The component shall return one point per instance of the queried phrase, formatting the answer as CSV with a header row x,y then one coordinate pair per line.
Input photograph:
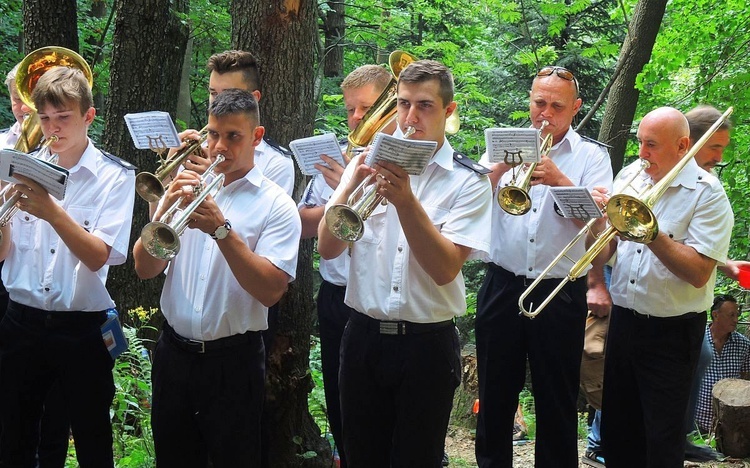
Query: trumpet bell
x,y
149,187
160,240
632,219
345,223
513,200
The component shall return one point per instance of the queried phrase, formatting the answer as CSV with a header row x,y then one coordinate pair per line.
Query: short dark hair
x,y
61,85
720,300
236,61
235,101
700,120
426,70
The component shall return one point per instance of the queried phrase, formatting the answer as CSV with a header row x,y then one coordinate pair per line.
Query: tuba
x,y
150,186
514,198
629,216
31,68
161,238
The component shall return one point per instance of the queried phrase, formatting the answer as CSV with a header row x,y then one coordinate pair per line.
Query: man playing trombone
x,y
209,361
400,361
660,292
522,247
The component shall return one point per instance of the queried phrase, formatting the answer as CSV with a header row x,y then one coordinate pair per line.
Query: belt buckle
x,y
390,328
201,343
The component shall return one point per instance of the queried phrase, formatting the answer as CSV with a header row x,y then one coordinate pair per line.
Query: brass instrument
x,y
31,68
514,198
161,238
150,186
629,216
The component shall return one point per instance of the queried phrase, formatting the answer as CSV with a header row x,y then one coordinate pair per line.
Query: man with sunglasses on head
x,y
522,247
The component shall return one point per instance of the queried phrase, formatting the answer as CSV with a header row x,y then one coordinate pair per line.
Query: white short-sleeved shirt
x,y
40,271
9,137
693,211
202,299
276,166
317,193
525,245
385,280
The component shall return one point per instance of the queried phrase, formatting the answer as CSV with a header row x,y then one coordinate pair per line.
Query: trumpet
x,y
629,216
514,198
347,221
161,238
150,186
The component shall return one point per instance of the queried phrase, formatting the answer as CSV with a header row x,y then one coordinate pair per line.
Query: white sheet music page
x,y
307,152
152,130
52,177
575,202
411,155
512,145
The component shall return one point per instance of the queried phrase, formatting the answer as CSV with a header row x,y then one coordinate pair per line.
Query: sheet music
x,y
52,177
153,129
576,202
307,152
411,155
517,145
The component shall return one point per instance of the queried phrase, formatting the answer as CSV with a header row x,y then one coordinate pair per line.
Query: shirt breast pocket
x,y
25,224
676,230
83,216
438,215
374,226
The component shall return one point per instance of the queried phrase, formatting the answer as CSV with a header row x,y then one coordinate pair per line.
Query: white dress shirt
x,y
385,280
693,211
525,245
202,299
317,193
40,271
9,138
276,166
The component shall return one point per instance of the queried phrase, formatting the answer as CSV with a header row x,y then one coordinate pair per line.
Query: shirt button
x,y
203,277
26,218
639,250
531,269
632,281
51,250
395,288
85,223
534,210
46,289
671,236
400,249
531,240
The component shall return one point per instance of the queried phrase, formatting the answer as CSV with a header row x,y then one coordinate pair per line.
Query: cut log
x,y
731,403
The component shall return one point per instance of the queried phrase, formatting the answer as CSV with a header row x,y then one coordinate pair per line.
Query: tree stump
x,y
731,403
463,400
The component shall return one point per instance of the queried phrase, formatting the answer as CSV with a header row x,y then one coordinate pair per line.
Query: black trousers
x,y
553,344
333,315
207,404
649,365
397,393
37,349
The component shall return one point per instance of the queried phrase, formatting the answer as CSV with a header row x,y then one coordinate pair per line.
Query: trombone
x,y
629,216
161,238
514,198
150,186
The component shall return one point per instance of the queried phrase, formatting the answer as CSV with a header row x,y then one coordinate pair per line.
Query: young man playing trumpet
x,y
57,254
209,366
400,361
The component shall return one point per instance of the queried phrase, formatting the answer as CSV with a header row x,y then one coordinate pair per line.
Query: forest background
x,y
629,57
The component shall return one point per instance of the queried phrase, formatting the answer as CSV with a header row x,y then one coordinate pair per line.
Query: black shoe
x,y
446,460
593,459
701,453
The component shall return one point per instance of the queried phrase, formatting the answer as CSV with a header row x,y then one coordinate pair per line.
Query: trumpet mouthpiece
x,y
409,131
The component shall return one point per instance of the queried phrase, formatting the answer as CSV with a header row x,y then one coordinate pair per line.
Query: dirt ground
x,y
460,447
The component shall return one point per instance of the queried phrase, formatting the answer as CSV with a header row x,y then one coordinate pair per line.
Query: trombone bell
x,y
514,200
632,219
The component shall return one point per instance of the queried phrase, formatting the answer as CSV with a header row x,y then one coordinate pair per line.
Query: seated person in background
x,y
731,355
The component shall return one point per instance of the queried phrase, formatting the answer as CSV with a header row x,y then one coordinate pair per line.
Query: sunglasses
x,y
562,72
720,299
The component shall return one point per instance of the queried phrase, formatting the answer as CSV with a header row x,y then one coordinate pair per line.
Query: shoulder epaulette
x,y
343,141
119,161
4,130
470,164
596,142
277,147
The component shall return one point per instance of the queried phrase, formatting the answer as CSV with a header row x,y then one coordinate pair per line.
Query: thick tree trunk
x,y
149,44
282,34
334,28
50,23
623,97
731,401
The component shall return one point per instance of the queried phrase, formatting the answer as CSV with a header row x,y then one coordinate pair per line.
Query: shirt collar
x,y
569,140
87,160
444,156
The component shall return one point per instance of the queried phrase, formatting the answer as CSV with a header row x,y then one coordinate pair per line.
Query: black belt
x,y
685,316
200,347
392,327
67,319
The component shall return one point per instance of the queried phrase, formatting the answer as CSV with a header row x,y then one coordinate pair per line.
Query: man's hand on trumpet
x,y
546,172
182,187
393,184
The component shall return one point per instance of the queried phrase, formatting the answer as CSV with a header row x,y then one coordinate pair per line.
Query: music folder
x,y
52,177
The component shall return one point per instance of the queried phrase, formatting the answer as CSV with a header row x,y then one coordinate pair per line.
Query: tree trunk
x,y
50,23
149,44
334,28
623,97
731,401
282,35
